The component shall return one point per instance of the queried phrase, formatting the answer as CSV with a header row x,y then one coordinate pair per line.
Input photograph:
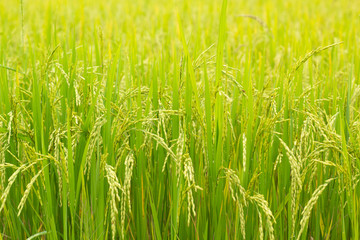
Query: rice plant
x,y
179,119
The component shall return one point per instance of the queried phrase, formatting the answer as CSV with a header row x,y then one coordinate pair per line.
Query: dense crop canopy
x,y
179,119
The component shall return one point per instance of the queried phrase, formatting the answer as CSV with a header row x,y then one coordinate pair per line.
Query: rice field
x,y
179,119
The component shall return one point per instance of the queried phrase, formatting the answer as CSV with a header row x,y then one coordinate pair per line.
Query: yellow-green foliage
x,y
179,119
